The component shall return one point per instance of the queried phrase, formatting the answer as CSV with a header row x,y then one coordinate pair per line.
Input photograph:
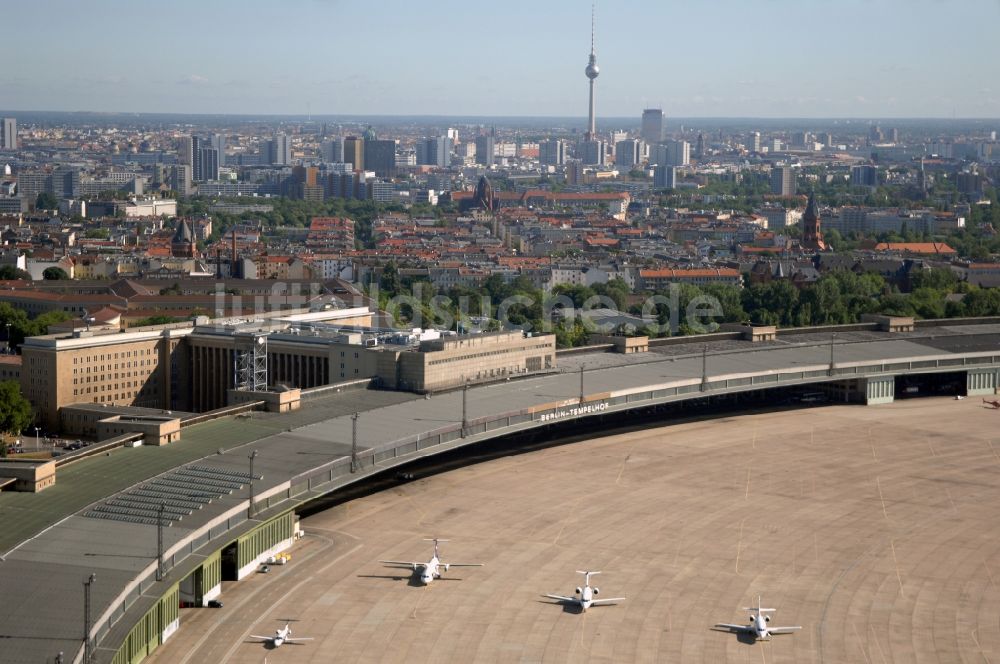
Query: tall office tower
x,y
276,151
452,135
699,146
180,179
434,151
628,153
783,181
875,134
197,143
894,135
485,149
665,177
678,153
282,150
185,151
8,139
574,171
208,160
552,152
801,138
812,237
652,125
828,140
380,156
592,152
753,141
332,151
218,142
592,71
354,152
864,176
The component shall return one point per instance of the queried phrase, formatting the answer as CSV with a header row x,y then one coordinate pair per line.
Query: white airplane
x,y
283,635
585,597
758,623
432,569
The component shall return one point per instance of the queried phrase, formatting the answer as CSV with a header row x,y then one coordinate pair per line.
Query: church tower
x,y
812,237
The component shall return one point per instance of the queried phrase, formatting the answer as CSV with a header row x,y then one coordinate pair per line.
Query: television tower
x,y
592,72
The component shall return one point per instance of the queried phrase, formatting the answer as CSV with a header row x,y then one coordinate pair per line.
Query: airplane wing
x,y
607,600
298,638
465,564
262,638
735,628
404,563
783,630
562,598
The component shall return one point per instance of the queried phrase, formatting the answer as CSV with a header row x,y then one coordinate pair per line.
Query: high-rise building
x,y
485,149
665,177
783,181
812,237
380,156
864,176
628,153
678,153
753,141
652,125
593,152
185,150
552,152
699,146
894,135
332,151
434,151
218,142
208,160
354,152
277,151
180,179
592,71
197,143
8,137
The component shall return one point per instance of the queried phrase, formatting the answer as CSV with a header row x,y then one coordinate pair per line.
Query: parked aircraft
x,y
995,404
283,635
758,624
585,597
432,569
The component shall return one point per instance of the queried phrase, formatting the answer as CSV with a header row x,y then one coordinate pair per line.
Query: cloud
x,y
193,79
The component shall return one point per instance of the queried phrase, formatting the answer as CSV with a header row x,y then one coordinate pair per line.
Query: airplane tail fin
x,y
758,608
435,540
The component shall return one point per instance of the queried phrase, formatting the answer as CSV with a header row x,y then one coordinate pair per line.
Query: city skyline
x,y
873,58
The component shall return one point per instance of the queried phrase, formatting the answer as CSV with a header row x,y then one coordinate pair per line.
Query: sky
x,y
693,58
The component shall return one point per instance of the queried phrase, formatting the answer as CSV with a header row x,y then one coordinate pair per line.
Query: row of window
x,y
113,356
491,353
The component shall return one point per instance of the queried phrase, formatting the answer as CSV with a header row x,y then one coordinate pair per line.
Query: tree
x,y
46,200
8,272
15,410
54,274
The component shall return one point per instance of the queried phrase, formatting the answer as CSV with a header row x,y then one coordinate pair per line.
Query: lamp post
x,y
704,367
38,445
582,366
250,509
832,336
465,408
87,645
355,462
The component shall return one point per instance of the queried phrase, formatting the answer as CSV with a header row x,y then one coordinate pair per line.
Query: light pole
x,y
38,445
704,367
465,408
832,336
87,646
250,509
160,571
582,366
355,464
